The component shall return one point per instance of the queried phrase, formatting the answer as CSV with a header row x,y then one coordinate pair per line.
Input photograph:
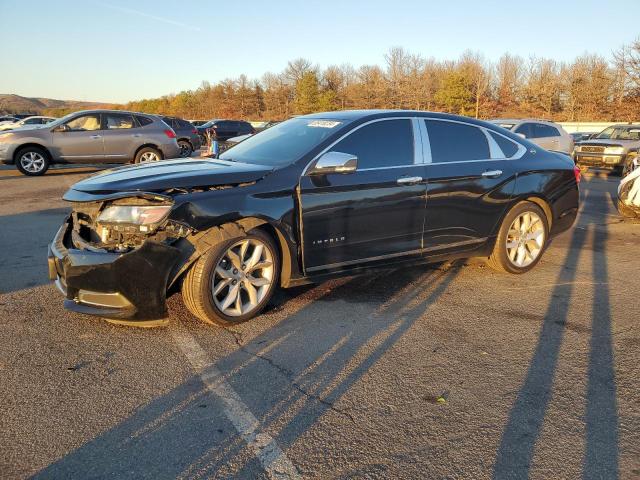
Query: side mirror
x,y
61,128
522,135
335,162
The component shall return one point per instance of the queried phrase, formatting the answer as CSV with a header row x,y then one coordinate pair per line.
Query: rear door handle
x,y
409,180
96,136
492,173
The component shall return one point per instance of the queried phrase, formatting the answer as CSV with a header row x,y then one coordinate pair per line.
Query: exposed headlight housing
x,y
142,215
614,150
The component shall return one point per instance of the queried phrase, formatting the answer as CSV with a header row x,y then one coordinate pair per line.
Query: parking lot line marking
x,y
271,457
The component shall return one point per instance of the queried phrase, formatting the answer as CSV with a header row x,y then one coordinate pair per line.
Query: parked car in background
x,y
197,123
186,135
614,148
226,129
234,140
547,135
91,136
8,119
266,125
318,196
26,123
580,136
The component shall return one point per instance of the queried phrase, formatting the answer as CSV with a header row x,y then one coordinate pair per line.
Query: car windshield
x,y
508,126
620,133
282,143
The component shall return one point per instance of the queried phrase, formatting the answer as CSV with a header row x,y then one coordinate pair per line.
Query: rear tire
x,y
521,240
230,267
32,161
186,149
147,155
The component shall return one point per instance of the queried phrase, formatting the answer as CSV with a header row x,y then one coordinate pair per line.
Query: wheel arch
x,y
203,241
31,144
147,145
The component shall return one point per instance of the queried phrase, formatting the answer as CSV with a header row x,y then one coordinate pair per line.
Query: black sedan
x,y
315,197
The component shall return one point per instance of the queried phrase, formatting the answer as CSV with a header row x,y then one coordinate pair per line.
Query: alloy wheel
x,y
32,162
149,157
242,278
525,239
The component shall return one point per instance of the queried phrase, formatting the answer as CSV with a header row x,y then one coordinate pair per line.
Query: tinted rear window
x,y
456,142
380,144
540,130
143,120
508,147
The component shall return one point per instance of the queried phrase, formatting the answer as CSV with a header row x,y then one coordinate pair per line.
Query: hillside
x,y
10,103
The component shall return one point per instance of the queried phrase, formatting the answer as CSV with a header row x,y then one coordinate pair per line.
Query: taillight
x,y
576,172
170,133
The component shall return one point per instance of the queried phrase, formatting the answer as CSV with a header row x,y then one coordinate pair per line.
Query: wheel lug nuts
x,y
234,282
235,271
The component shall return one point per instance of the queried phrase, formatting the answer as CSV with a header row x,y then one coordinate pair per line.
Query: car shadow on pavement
x,y
344,333
24,242
517,445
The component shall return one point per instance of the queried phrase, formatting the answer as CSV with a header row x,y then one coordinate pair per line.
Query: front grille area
x,y
591,149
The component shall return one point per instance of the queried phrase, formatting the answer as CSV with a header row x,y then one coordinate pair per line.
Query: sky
x,y
116,51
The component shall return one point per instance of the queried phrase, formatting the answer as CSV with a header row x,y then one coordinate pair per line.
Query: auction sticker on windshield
x,y
323,123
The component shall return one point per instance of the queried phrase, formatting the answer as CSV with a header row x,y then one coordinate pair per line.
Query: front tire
x,y
521,240
32,161
234,280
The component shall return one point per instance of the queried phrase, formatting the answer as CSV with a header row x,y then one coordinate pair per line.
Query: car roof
x,y
358,115
521,120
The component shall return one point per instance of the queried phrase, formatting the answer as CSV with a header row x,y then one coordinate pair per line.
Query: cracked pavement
x,y
442,371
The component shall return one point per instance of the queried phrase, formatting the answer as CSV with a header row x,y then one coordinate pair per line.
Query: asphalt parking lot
x,y
448,371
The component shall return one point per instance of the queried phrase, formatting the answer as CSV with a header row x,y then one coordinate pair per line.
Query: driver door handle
x,y
95,136
409,180
492,173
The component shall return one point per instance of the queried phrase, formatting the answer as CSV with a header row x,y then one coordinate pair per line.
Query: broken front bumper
x,y
130,285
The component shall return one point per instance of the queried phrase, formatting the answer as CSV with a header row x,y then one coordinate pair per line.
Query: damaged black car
x,y
315,197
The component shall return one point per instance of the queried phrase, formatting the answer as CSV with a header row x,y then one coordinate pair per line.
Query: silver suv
x,y
548,135
91,136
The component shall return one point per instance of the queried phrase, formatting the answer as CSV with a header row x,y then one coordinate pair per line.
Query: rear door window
x,y
456,142
386,143
117,121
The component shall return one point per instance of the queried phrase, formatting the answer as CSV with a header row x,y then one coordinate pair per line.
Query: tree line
x,y
589,88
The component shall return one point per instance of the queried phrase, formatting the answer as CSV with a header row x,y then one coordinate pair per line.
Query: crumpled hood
x,y
167,174
605,142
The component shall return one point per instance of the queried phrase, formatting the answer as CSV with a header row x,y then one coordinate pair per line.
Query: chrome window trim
x,y
415,144
494,149
426,143
418,149
521,148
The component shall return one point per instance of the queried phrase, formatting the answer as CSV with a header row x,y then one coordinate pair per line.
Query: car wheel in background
x,y
521,240
32,161
185,148
234,280
147,154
